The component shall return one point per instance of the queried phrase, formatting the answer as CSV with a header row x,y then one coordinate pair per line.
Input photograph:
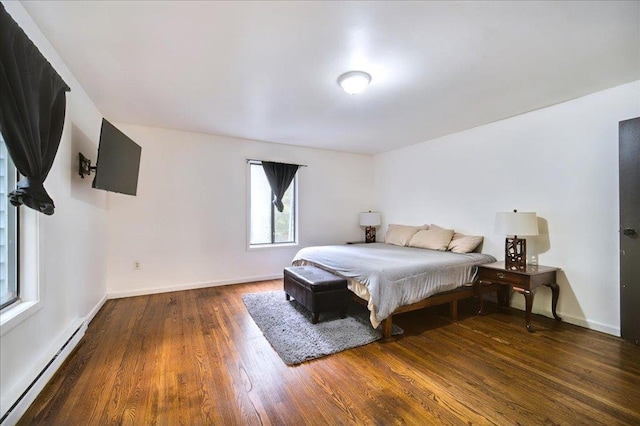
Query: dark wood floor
x,y
197,357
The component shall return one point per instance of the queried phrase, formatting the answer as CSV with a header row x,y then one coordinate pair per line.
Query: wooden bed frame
x,y
450,297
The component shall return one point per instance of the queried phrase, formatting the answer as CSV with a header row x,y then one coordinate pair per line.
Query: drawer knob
x,y
500,275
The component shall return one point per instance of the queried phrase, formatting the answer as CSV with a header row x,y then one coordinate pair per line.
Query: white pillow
x,y
400,235
434,238
464,243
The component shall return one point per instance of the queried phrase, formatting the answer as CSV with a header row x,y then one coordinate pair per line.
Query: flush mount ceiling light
x,y
354,82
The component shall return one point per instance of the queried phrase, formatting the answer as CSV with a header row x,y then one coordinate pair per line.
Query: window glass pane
x,y
285,220
260,206
8,231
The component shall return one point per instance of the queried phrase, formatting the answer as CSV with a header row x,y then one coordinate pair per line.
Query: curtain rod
x,y
251,160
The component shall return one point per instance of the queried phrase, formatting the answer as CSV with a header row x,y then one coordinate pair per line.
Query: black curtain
x,y
279,176
32,109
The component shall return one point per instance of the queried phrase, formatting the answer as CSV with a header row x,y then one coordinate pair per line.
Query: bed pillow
x,y
462,243
400,235
434,238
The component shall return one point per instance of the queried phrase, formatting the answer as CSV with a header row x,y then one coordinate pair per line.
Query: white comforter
x,y
395,276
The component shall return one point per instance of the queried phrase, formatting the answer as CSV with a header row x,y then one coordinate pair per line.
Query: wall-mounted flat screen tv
x,y
118,161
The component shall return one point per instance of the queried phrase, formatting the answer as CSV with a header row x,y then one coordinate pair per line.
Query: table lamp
x,y
517,224
370,220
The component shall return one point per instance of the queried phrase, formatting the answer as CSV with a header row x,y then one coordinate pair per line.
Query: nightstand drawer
x,y
485,274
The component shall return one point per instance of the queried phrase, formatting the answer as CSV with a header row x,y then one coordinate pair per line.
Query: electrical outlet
x,y
136,264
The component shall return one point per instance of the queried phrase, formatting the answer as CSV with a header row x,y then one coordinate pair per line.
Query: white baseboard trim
x,y
545,310
592,325
581,322
95,310
189,286
18,399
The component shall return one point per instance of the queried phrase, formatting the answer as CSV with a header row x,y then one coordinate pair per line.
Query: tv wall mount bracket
x,y
84,166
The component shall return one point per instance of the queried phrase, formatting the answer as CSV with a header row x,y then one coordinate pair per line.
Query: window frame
x,y
27,271
16,262
30,300
13,221
295,210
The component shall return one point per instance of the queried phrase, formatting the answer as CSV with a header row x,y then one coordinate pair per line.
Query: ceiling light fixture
x,y
354,82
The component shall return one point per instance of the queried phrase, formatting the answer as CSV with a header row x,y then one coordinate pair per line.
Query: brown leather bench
x,y
317,290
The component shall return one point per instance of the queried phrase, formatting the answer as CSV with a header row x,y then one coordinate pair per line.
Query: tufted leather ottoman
x,y
316,289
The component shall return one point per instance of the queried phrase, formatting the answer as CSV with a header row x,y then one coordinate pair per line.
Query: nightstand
x,y
356,242
495,277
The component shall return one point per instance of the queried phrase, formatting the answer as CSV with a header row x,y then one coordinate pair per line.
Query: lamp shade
x,y
370,219
516,223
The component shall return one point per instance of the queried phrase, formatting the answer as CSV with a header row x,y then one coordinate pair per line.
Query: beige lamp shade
x,y
370,219
516,223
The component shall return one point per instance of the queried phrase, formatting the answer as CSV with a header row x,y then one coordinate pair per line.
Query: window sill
x,y
14,315
271,246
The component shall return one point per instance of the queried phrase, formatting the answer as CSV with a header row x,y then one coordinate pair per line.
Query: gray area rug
x,y
287,326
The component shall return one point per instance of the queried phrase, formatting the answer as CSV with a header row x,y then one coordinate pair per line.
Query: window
x,y
9,290
268,226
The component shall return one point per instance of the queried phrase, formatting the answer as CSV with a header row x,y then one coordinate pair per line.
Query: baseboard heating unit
x,y
31,391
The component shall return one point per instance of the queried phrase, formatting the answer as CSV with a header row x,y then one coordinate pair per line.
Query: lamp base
x,y
515,254
370,234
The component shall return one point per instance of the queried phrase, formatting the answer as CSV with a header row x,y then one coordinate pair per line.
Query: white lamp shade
x,y
516,223
354,82
370,219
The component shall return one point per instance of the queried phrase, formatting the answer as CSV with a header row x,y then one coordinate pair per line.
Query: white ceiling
x,y
268,70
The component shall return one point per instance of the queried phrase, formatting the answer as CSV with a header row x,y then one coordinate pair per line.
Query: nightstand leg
x,y
503,296
528,297
480,299
555,293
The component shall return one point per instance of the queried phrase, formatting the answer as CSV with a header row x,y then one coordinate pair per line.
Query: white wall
x,y
561,162
188,224
71,245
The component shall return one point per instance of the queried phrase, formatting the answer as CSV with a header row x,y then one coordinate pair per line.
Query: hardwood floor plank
x,y
197,357
568,367
526,394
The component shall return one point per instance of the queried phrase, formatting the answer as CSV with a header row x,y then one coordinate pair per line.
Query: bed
x,y
392,279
